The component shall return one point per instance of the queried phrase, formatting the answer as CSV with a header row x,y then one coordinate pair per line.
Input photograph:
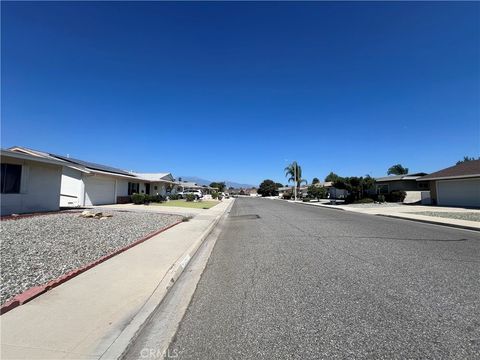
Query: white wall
x,y
413,197
161,188
122,187
73,188
71,192
39,191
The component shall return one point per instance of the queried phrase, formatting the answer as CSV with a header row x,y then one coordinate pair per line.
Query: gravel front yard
x,y
470,216
38,249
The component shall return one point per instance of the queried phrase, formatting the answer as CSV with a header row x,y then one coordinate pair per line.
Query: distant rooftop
x,y
413,176
153,176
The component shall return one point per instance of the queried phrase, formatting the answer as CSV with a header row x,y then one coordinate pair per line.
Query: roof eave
x,y
450,177
25,156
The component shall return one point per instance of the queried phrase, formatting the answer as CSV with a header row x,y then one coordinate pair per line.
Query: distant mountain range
x,y
201,181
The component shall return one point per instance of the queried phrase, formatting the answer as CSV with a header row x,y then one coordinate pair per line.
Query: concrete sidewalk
x,y
84,317
410,212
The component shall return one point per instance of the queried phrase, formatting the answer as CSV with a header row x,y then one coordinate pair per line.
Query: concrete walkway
x,y
83,317
408,212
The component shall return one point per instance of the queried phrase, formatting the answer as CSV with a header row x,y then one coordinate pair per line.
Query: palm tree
x,y
397,170
294,172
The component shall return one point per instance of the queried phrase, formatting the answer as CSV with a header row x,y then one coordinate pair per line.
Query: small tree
x,y
397,170
316,192
368,183
332,177
267,188
315,181
219,185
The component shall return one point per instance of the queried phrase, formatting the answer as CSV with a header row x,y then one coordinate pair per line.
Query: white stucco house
x,y
29,184
85,183
156,183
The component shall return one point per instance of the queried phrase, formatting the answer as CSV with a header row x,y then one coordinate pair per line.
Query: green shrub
x,y
396,196
364,201
138,198
316,192
190,197
349,199
287,196
174,197
381,198
306,199
214,195
157,198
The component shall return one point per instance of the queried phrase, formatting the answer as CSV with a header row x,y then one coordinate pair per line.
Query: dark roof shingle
x,y
465,169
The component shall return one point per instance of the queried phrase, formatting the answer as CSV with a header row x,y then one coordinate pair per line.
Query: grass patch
x,y
187,204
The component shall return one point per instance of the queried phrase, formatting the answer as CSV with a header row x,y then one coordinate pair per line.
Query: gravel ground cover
x,y
470,216
38,249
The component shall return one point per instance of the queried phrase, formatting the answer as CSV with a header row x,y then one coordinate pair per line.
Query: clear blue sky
x,y
233,90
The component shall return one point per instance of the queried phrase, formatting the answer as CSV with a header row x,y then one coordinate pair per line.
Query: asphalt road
x,y
301,282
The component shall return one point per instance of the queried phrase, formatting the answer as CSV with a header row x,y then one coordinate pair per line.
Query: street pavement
x,y
299,282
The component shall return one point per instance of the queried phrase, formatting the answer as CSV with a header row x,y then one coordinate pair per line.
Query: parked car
x,y
197,193
226,195
180,194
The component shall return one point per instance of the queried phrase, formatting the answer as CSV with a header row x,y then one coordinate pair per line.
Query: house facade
x,y
29,184
154,184
85,183
457,185
408,182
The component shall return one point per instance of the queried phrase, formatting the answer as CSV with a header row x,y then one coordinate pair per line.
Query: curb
x,y
320,206
35,291
122,343
465,227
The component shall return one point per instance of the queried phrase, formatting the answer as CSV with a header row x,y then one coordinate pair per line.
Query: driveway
x,y
302,282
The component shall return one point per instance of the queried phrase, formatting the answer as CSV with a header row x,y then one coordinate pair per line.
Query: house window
x,y
133,188
423,185
155,187
11,177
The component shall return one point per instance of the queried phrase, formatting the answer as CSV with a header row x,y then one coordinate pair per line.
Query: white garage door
x,y
99,191
459,192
